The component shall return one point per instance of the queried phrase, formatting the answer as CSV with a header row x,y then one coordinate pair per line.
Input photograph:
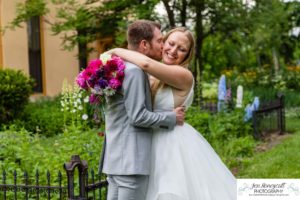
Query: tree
x,y
83,22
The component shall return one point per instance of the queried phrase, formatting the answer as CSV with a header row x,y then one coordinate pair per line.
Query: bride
x,y
183,164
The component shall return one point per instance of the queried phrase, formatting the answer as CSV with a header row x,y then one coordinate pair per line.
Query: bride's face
x,y
176,48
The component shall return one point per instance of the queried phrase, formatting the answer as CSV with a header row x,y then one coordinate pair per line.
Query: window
x,y
34,52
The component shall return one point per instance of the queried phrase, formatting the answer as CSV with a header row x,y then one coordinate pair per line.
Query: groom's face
x,y
156,45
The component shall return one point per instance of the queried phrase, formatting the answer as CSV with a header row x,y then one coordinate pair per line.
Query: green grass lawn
x,y
281,161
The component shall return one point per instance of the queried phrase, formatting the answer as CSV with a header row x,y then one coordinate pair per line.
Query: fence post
x,y
82,171
281,114
257,134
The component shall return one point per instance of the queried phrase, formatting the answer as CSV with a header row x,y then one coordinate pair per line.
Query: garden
x,y
49,130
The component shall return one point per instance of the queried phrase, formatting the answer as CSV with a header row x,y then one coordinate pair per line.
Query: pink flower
x,y
120,75
81,80
93,99
102,80
95,64
114,83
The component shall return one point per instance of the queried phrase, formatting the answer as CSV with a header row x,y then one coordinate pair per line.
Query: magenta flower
x,y
102,80
120,75
93,99
81,81
114,83
95,64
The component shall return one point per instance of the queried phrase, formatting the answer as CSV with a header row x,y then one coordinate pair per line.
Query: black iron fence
x,y
88,186
270,117
209,106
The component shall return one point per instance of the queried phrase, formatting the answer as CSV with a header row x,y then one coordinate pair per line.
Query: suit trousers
x,y
127,187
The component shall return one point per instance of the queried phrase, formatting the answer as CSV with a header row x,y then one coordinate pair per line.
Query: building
x,y
34,50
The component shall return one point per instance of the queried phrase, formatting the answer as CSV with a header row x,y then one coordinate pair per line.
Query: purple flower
x,y
92,81
93,99
100,73
102,83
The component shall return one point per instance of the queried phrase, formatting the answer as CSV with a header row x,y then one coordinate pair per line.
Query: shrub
x,y
199,120
227,132
43,116
15,89
231,137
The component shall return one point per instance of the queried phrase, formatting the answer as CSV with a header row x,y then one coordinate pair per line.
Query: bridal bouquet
x,y
102,78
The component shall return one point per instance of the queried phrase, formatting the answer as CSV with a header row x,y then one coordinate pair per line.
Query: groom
x,y
129,120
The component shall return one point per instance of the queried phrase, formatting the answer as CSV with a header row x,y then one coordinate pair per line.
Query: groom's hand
x,y
180,114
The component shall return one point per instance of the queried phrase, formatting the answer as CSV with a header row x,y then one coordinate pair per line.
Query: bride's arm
x,y
173,75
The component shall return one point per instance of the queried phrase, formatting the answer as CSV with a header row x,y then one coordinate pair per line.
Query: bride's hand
x,y
180,115
108,53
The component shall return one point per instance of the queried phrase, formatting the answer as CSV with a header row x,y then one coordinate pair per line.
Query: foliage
x,y
229,135
43,117
51,116
15,89
265,84
199,120
210,91
17,149
293,112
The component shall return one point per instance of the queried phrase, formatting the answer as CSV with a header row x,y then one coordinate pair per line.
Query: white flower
x,y
84,116
80,108
109,91
86,99
105,57
73,111
79,100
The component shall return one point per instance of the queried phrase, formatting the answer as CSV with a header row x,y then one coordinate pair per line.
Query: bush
x,y
15,89
231,137
199,120
227,132
19,150
43,116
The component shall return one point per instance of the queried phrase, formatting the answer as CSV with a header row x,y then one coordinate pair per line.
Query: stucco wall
x,y
58,64
14,43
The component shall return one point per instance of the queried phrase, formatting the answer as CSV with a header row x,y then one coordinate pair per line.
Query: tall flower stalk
x,y
74,105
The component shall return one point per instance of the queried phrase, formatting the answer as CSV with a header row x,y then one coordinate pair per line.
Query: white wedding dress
x,y
183,164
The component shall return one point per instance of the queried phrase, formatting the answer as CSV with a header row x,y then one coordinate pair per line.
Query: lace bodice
x,y
164,99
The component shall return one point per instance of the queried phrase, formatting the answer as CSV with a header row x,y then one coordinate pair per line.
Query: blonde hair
x,y
157,84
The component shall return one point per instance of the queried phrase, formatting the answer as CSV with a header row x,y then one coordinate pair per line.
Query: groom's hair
x,y
140,30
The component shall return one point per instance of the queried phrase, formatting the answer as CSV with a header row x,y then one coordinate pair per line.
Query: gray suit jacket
x,y
129,122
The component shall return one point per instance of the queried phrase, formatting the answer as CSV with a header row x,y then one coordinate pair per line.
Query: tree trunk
x,y
83,51
275,60
199,6
183,13
170,13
